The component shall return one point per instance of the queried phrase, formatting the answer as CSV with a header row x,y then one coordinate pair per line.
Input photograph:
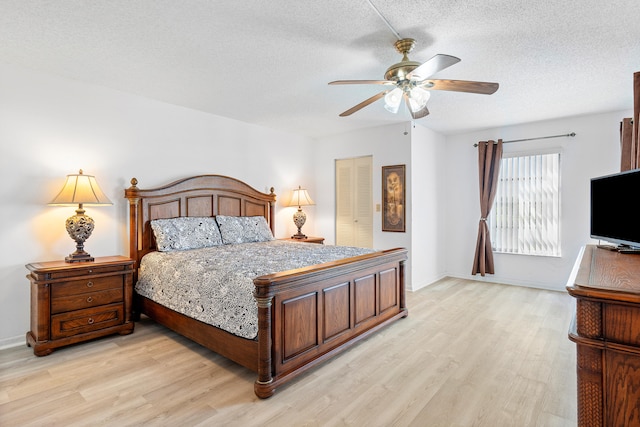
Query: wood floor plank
x,y
469,354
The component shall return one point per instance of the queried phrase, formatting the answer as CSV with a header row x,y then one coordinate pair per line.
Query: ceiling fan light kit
x,y
413,84
418,98
392,100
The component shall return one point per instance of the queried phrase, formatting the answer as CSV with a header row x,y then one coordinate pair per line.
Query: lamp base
x,y
79,228
78,257
299,218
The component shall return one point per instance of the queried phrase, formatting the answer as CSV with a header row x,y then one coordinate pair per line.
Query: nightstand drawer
x,y
86,300
81,321
89,269
90,284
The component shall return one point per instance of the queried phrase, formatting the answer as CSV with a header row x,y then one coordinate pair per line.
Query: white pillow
x,y
179,234
244,229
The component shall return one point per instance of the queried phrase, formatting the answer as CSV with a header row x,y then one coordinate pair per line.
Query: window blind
x,y
525,217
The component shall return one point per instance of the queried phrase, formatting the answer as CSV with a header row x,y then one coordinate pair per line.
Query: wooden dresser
x,y
75,302
606,330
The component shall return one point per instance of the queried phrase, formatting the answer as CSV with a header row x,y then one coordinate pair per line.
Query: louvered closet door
x,y
354,213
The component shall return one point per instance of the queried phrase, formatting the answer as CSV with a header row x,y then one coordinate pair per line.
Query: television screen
x,y
615,216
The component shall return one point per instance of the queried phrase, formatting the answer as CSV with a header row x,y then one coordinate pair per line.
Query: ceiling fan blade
x,y
362,82
418,114
484,88
364,103
432,66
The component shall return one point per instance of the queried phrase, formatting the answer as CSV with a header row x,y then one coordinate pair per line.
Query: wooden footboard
x,y
306,316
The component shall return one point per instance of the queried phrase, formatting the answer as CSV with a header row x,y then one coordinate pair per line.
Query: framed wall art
x,y
393,198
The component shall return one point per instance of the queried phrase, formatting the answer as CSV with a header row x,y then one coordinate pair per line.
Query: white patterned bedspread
x,y
215,285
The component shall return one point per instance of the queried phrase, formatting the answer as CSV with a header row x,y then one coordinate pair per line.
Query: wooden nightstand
x,y
309,239
75,302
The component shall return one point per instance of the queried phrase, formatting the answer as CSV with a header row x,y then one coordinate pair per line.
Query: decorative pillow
x,y
243,229
179,234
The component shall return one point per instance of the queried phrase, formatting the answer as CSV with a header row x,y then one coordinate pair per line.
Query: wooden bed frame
x,y
305,316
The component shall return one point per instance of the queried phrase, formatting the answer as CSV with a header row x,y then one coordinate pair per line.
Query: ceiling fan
x,y
412,83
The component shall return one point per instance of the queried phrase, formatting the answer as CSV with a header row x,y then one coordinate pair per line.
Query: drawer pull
x,y
90,321
90,299
89,284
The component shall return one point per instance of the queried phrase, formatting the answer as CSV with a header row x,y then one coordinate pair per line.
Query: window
x,y
525,217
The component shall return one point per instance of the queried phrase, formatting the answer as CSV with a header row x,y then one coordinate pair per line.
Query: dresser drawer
x,y
86,300
81,321
91,284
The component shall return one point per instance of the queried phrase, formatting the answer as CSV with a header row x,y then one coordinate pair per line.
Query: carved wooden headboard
x,y
202,195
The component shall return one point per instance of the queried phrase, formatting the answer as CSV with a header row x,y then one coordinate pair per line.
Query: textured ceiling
x,y
269,62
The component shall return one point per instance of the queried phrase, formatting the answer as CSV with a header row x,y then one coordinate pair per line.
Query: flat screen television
x,y
615,216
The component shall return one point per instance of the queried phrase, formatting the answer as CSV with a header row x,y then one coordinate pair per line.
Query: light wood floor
x,y
469,354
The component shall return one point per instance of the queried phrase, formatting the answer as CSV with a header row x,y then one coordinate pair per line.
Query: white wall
x,y
594,151
428,179
50,127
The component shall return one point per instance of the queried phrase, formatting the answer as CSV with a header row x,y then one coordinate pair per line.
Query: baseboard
x,y
499,281
12,342
519,282
427,283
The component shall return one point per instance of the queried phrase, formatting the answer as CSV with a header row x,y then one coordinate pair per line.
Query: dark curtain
x,y
627,146
636,119
489,156
630,132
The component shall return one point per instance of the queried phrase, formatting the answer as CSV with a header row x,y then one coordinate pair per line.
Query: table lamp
x,y
80,189
300,198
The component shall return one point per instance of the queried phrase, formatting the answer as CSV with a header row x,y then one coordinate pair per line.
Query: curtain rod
x,y
533,139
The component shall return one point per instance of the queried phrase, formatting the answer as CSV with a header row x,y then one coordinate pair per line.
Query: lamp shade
x,y
301,197
80,189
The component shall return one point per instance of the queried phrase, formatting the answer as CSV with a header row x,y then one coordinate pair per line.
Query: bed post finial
x,y
272,211
134,182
